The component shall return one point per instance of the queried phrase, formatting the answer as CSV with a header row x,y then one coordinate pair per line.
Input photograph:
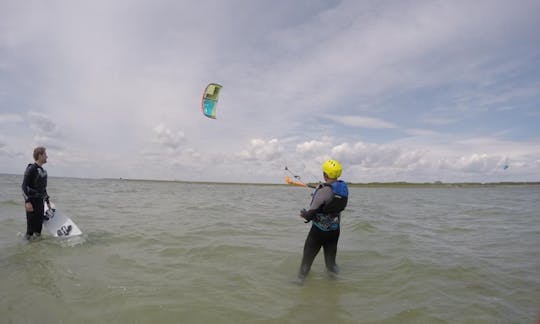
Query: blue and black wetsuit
x,y
329,200
34,189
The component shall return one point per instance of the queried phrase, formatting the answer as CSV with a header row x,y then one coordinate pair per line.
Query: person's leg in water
x,y
330,251
34,219
29,225
311,248
39,216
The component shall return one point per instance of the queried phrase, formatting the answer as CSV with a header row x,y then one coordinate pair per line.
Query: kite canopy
x,y
210,99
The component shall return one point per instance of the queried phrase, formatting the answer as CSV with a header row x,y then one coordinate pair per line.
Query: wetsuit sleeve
x,y
321,197
45,189
29,175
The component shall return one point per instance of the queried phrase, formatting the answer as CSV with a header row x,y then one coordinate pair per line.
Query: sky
x,y
416,91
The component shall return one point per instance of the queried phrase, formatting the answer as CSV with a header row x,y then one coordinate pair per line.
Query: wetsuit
x,y
34,189
328,201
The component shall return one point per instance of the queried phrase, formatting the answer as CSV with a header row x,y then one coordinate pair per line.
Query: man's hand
x,y
28,206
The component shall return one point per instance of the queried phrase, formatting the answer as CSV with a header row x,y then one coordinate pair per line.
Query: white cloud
x,y
370,155
261,150
42,123
315,147
477,163
169,139
413,161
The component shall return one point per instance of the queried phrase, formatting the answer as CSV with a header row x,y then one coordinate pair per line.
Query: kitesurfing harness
x,y
326,216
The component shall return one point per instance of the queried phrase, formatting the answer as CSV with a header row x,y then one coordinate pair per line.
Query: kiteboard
x,y
57,224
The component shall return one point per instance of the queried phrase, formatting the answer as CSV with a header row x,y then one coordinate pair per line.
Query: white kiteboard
x,y
59,225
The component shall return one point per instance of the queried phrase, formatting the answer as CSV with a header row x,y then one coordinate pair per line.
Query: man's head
x,y
40,155
331,169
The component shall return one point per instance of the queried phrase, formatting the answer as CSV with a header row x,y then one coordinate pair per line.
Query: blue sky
x,y
395,90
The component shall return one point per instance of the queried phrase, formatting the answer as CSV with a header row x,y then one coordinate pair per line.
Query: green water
x,y
164,252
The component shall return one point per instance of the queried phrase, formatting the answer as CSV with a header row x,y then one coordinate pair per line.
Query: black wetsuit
x,y
325,214
34,189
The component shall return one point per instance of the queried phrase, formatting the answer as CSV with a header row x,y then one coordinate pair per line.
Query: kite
x,y
210,99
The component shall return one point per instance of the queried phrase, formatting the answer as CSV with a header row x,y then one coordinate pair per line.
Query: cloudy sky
x,y
395,90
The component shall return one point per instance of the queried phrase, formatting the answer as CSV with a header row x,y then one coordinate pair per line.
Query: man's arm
x,y
321,197
29,174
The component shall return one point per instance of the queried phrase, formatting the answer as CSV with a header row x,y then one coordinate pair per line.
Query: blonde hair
x,y
40,150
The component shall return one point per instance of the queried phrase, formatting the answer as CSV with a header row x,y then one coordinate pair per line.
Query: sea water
x,y
171,252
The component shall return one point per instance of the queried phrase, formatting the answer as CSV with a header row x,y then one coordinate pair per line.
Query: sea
x,y
174,252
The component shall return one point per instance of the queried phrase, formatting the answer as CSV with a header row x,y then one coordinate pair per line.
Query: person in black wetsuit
x,y
34,187
329,200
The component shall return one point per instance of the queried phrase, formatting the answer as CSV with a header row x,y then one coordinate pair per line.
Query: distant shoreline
x,y
396,184
440,184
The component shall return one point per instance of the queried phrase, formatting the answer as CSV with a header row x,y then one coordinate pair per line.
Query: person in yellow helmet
x,y
329,200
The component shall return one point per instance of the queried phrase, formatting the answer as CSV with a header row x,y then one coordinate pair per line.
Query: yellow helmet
x,y
332,168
